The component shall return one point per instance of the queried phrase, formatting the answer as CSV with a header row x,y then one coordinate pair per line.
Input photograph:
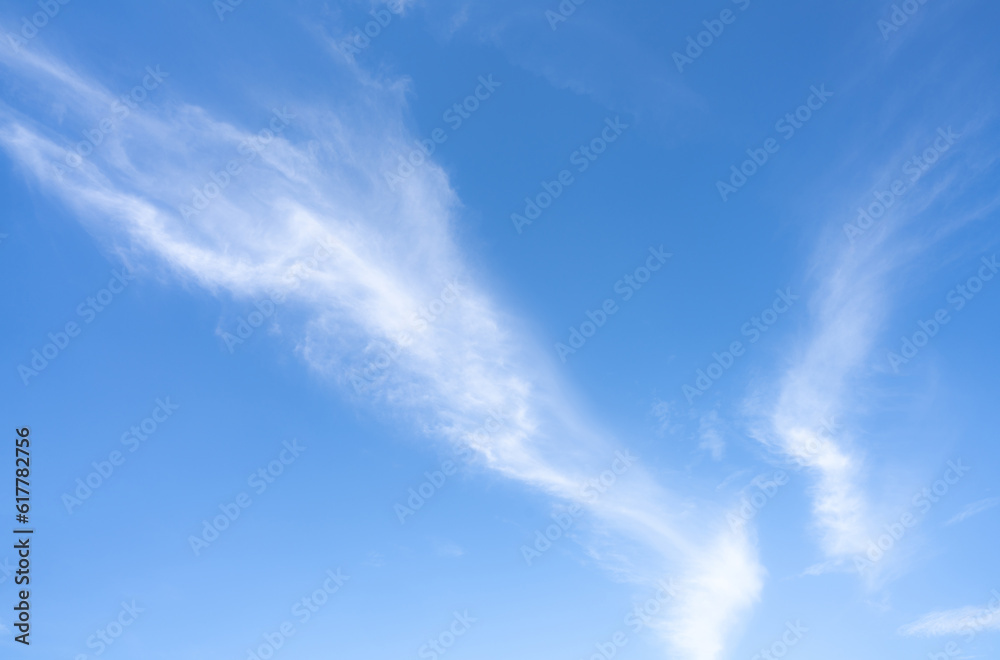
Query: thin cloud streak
x,y
974,509
960,621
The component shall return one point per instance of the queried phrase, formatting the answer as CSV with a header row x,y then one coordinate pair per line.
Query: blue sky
x,y
508,329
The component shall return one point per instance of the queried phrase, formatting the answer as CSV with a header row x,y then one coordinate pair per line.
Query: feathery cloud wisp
x,y
973,509
156,194
963,620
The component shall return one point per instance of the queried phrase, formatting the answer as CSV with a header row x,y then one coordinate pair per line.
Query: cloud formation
x,y
960,621
973,509
161,191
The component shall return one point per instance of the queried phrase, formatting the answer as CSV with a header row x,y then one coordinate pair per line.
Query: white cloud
x,y
710,437
392,251
448,549
833,370
822,568
964,620
723,583
849,308
974,508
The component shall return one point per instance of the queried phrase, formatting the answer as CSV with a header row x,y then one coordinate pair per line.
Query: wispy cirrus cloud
x,y
973,509
855,292
319,182
847,309
960,621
